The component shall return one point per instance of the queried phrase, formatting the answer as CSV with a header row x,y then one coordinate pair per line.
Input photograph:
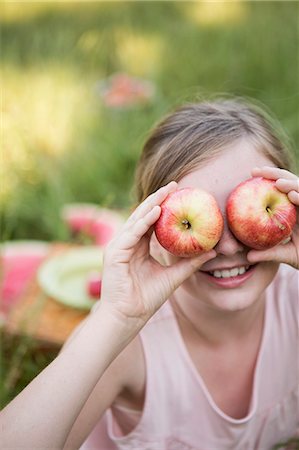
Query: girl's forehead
x,y
227,169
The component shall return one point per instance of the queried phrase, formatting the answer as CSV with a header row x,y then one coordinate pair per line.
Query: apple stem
x,y
186,224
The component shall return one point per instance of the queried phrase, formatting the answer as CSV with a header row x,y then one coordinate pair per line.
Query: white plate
x,y
65,277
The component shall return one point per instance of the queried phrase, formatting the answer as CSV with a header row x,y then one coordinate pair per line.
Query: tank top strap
x,y
170,378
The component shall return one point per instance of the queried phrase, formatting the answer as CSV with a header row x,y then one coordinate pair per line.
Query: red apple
x,y
259,215
190,222
94,285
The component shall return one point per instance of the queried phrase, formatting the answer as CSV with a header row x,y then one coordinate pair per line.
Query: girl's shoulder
x,y
283,293
287,279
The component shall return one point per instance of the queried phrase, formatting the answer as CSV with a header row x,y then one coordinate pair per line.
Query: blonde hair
x,y
196,132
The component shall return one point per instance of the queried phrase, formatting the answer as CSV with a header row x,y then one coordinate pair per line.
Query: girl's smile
x,y
229,277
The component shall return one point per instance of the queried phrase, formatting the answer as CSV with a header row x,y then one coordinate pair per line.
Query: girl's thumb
x,y
184,268
281,253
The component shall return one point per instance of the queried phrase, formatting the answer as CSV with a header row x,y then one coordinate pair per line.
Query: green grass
x,y
61,144
22,359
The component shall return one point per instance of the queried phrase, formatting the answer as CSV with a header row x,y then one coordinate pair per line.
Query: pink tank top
x,y
179,412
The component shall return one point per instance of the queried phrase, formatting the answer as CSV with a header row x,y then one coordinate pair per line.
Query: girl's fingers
x,y
290,187
286,181
294,197
150,202
286,186
182,270
131,236
273,173
282,253
141,221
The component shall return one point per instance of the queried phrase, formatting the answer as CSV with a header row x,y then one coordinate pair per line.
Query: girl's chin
x,y
232,303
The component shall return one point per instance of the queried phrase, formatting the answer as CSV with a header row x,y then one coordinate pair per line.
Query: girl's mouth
x,y
230,278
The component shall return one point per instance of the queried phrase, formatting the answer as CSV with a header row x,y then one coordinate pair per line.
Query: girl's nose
x,y
228,244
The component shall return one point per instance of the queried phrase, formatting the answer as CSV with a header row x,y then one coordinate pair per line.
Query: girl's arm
x,y
287,253
134,286
42,415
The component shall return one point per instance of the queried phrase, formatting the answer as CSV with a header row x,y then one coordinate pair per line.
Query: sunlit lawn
x,y
60,143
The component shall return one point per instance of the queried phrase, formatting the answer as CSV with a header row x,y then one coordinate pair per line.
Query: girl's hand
x,y
134,284
288,252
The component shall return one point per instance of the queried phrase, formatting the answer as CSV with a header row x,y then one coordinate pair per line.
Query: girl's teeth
x,y
229,273
234,272
242,270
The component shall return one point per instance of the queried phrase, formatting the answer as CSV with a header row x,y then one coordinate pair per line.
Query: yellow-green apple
x,y
190,222
259,215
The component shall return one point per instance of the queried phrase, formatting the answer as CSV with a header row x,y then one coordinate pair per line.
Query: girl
x,y
174,357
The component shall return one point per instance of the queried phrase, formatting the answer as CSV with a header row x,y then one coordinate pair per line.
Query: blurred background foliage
x,y
60,143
